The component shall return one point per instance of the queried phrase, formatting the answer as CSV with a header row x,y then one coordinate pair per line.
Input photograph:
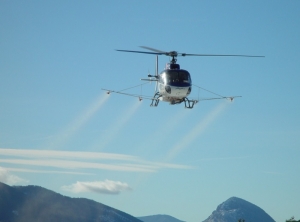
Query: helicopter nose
x,y
181,91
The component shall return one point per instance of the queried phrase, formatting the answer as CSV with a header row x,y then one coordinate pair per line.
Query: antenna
x,y
156,68
156,72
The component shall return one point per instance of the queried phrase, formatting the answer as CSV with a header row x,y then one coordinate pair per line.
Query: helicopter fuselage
x,y
174,85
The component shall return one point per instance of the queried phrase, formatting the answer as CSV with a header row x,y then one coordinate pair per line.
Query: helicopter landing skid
x,y
189,104
155,99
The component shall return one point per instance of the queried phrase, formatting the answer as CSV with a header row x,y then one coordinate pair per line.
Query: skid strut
x,y
155,99
189,104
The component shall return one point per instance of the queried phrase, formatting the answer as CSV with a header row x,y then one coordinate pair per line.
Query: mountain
x,y
33,203
159,218
235,208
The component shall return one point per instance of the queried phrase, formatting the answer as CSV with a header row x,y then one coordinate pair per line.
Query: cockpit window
x,y
175,77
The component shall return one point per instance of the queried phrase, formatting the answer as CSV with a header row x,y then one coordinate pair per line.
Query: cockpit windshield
x,y
175,78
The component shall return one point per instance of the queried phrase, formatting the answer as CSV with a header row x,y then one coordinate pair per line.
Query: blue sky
x,y
60,131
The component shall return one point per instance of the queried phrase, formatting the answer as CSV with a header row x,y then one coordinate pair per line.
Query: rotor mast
x,y
174,55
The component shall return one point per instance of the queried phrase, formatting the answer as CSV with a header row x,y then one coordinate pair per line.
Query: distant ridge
x,y
159,218
235,208
33,203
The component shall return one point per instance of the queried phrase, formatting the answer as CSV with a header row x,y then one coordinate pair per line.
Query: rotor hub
x,y
174,60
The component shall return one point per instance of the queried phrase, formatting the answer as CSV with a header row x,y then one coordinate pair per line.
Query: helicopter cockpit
x,y
174,77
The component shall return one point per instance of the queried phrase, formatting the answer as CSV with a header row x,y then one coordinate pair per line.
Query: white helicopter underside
x,y
171,100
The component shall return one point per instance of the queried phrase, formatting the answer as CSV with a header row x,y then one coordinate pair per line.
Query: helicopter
x,y
173,84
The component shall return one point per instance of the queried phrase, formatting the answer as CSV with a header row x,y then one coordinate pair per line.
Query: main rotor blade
x,y
154,50
154,53
175,54
186,54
